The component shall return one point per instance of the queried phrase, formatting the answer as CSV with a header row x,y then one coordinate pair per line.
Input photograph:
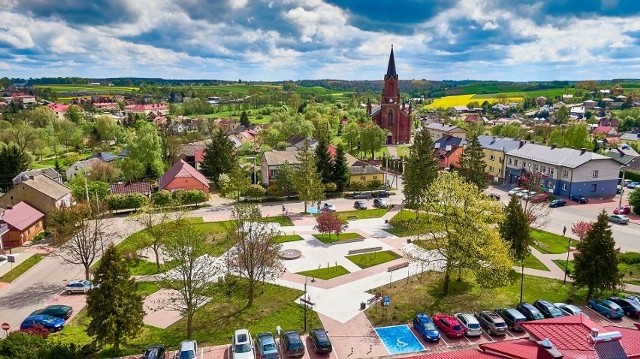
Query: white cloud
x,y
238,4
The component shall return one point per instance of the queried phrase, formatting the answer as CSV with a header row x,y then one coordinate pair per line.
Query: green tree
x,y
307,180
324,162
114,305
235,183
284,179
634,200
341,172
106,128
561,115
219,157
74,114
573,136
13,160
472,163
145,153
351,135
420,170
372,139
596,259
515,230
244,119
41,116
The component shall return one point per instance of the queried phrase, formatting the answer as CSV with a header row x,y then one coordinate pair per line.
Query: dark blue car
x,y
423,324
53,324
607,308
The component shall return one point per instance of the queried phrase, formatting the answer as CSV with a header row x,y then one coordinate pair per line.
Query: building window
x,y
363,178
515,162
490,168
501,160
594,187
565,173
535,168
499,170
390,118
595,174
510,160
529,164
551,172
375,177
564,187
492,157
524,164
543,169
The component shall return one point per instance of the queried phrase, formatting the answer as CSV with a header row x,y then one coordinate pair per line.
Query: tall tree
x,y
461,229
372,139
351,135
13,160
145,153
193,273
284,179
234,183
329,222
85,245
324,162
420,170
472,163
596,260
64,222
307,179
244,119
114,305
74,114
341,172
219,157
255,255
515,230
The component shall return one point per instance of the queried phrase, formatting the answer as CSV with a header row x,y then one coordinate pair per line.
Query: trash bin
x,y
363,305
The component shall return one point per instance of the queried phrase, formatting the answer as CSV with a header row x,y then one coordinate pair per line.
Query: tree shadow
x,y
31,295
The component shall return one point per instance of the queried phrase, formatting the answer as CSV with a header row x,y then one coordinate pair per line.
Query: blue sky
x,y
516,40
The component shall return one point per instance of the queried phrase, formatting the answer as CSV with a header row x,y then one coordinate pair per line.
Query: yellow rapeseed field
x,y
463,100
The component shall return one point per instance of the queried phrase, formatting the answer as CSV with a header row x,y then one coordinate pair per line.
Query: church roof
x,y
391,68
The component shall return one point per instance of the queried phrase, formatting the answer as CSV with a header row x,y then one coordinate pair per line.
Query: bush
x,y
629,258
273,191
330,187
255,190
126,201
161,198
189,196
634,200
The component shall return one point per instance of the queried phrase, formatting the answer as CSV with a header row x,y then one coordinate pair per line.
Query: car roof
x,y
514,312
545,303
423,317
242,336
321,334
188,345
293,336
467,316
57,306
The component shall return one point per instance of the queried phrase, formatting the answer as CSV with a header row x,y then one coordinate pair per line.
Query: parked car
x,y
320,340
569,309
635,298
329,207
514,190
540,197
382,194
579,199
492,322
547,309
557,203
622,210
52,324
292,345
522,193
529,311
423,324
56,310
449,325
619,218
78,286
494,196
470,324
632,185
242,346
362,195
266,346
155,352
380,203
359,205
512,317
629,306
529,195
607,308
188,350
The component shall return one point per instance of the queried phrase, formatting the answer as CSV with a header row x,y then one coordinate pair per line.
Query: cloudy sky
x,y
317,39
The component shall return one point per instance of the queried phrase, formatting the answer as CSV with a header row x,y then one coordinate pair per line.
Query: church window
x,y
390,118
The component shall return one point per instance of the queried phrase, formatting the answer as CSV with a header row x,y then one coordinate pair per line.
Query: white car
x,y
522,193
529,195
242,347
188,350
470,323
514,190
78,286
569,309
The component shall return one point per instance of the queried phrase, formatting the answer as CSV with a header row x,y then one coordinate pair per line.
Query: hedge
x,y
126,201
189,196
161,198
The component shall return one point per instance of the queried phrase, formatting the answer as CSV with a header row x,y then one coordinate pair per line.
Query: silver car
x,y
569,309
470,323
78,286
514,190
619,218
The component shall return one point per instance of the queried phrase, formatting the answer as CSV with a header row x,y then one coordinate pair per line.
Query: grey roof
x,y
498,143
47,186
104,156
566,157
49,172
277,158
375,109
623,154
366,169
440,127
629,136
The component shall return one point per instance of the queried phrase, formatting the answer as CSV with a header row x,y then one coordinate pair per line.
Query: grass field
x,y
61,88
19,269
547,242
366,260
363,213
287,238
332,238
325,273
630,270
534,263
463,100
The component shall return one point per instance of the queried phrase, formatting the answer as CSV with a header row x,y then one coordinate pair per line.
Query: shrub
x,y
629,257
161,198
273,191
255,190
189,196
330,187
126,201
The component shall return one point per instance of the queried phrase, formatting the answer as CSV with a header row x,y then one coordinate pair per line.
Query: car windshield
x,y
295,345
268,347
457,327
429,326
243,348
187,355
555,311
474,326
500,324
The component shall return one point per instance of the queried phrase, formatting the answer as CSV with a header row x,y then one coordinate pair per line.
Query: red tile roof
x,y
21,216
199,154
58,107
128,188
332,150
181,169
519,348
602,129
147,107
458,354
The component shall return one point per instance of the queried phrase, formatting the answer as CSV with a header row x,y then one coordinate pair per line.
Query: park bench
x,y
364,250
397,266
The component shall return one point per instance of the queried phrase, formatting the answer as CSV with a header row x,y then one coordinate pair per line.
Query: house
x,y
159,109
131,187
612,122
577,111
589,104
183,176
363,173
495,150
474,118
105,156
23,223
604,130
541,100
272,160
563,171
226,124
630,138
459,110
49,172
59,109
439,130
298,141
448,150
106,106
40,192
80,166
193,153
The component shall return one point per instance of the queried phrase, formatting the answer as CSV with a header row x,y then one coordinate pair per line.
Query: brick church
x,y
391,114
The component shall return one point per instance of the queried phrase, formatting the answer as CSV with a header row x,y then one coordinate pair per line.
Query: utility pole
x,y
304,302
86,187
521,278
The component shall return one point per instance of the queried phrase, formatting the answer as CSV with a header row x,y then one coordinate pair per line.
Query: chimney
x,y
546,350
553,145
9,208
521,144
583,150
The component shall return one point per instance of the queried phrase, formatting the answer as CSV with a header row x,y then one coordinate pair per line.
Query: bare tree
x,y
157,223
255,255
86,244
537,213
193,274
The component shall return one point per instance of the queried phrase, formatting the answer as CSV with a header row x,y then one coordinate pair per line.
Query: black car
x,y
529,311
557,203
359,205
579,199
56,310
291,344
320,340
382,194
547,309
629,306
362,195
154,352
513,318
380,203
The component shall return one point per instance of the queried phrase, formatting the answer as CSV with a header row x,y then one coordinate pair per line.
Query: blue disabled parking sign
x,y
385,301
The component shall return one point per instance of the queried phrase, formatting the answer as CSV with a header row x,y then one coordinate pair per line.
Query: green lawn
x,y
366,260
146,267
287,238
148,288
424,294
404,224
363,213
332,238
630,270
214,322
281,220
325,273
547,242
19,269
534,263
562,264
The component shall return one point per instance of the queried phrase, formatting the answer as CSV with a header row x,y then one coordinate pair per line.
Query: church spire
x,y
391,68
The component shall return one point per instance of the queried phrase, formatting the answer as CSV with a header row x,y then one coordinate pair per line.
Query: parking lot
x,y
446,342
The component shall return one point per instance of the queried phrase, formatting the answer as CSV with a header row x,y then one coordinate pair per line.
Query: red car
x,y
540,197
622,210
449,325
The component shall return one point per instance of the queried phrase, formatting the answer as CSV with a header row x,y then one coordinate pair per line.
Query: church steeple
x,y
391,68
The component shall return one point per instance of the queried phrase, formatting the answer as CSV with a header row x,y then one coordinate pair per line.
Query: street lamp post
x,y
521,279
566,265
86,187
